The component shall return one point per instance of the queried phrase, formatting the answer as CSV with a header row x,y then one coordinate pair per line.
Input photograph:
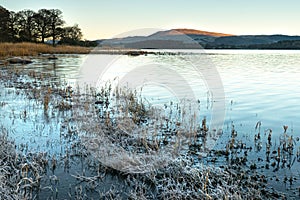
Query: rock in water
x,y
18,60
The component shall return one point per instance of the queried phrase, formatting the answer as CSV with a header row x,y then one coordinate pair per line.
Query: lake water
x,y
246,86
233,86
230,86
258,85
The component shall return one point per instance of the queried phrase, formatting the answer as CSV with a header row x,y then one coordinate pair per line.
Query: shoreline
x,y
27,49
24,49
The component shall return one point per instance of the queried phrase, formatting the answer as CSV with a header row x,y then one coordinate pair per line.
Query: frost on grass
x,y
147,144
122,131
19,175
7,153
151,149
181,180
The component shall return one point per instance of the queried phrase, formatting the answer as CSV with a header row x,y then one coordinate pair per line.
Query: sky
x,y
101,19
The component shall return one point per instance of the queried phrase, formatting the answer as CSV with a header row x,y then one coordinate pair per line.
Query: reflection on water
x,y
66,66
259,86
262,86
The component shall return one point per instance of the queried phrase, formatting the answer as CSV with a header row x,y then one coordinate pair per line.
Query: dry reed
x,y
33,49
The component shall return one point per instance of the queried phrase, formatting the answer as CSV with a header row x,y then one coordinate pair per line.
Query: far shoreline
x,y
27,49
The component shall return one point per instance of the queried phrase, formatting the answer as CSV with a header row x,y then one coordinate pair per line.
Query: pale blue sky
x,y
107,18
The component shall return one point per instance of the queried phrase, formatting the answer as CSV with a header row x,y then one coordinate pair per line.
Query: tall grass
x,y
32,49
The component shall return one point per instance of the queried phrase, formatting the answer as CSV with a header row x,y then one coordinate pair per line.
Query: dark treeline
x,y
290,44
45,24
286,44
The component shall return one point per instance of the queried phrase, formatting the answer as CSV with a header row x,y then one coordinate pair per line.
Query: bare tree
x,y
42,19
27,25
56,23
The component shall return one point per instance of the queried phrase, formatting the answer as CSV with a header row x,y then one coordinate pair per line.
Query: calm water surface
x,y
258,86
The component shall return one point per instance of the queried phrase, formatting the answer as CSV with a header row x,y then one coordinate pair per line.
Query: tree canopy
x,y
30,26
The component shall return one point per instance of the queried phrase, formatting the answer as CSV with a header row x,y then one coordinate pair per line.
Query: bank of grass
x,y
33,49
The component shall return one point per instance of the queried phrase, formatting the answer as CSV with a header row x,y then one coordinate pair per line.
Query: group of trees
x,y
31,26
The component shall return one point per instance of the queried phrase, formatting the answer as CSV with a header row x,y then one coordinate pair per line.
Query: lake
x,y
227,87
259,85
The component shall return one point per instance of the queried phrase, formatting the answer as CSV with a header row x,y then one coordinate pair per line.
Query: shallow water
x,y
258,86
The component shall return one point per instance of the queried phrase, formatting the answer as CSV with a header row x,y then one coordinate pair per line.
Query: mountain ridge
x,y
183,38
187,31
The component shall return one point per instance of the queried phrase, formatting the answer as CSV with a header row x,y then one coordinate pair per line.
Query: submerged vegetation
x,y
111,143
20,175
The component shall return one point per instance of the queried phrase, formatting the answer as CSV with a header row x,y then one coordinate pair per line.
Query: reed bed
x,y
114,132
33,49
134,139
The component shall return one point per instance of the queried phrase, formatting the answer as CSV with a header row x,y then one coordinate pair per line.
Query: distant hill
x,y
179,31
194,39
169,39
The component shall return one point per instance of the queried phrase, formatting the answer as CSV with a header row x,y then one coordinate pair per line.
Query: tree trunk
x,y
43,38
53,40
